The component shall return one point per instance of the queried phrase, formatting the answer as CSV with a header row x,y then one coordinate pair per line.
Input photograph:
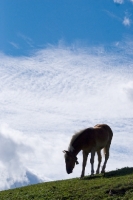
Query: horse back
x,y
97,138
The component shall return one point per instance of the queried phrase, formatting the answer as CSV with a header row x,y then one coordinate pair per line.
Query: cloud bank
x,y
48,96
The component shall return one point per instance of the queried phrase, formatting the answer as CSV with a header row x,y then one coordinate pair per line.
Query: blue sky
x,y
29,25
64,66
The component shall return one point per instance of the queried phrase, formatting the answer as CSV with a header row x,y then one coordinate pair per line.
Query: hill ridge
x,y
116,184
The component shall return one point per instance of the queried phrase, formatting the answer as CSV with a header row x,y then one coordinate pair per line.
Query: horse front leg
x,y
92,161
99,161
85,156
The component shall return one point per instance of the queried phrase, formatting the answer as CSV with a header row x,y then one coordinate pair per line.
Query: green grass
x,y
113,185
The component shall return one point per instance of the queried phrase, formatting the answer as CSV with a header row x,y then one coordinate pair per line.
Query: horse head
x,y
70,160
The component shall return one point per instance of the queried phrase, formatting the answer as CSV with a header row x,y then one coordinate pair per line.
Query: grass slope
x,y
113,185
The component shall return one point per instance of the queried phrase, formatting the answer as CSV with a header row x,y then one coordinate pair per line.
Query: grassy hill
x,y
113,185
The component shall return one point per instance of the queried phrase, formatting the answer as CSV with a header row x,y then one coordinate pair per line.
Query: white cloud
x,y
45,98
126,21
15,150
129,90
119,1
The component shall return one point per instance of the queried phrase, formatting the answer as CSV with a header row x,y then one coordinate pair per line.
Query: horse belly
x,y
102,140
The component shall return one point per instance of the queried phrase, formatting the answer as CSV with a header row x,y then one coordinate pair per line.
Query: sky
x,y
64,66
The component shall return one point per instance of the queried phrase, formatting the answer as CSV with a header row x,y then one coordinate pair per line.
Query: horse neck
x,y
76,151
75,147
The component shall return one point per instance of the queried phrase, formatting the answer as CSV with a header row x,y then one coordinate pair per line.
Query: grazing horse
x,y
89,140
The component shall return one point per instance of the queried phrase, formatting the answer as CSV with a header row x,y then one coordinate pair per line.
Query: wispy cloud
x,y
113,15
16,46
126,21
26,39
48,96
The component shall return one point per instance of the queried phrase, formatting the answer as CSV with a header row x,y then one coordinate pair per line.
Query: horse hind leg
x,y
99,161
106,153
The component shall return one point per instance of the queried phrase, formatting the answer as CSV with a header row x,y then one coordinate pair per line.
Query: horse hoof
x,y
82,176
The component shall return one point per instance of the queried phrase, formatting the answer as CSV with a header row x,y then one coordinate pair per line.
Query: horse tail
x,y
110,133
109,130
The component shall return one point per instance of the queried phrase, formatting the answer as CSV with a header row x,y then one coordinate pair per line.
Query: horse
x,y
89,140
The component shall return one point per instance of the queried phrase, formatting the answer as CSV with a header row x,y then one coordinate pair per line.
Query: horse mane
x,y
74,137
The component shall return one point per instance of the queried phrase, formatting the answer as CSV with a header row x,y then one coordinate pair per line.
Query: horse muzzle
x,y
69,171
